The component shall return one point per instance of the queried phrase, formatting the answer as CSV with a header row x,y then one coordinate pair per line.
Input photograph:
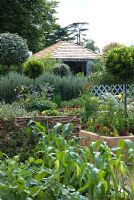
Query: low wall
x,y
50,121
88,137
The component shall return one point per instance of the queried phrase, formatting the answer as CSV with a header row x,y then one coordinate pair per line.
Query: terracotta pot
x,y
88,137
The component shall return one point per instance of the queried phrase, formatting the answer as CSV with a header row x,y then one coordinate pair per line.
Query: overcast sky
x,y
109,20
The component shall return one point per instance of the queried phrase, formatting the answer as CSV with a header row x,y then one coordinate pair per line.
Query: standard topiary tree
x,y
33,68
61,69
13,50
120,63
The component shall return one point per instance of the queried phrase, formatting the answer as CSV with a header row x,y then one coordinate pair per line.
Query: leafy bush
x,y
100,75
66,87
39,104
33,68
61,168
49,63
13,49
3,70
9,111
61,70
42,90
73,102
36,97
110,118
120,63
90,105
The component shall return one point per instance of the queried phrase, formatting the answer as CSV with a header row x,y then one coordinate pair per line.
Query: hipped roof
x,y
67,51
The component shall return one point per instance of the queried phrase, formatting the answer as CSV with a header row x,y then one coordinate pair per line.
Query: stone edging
x,y
88,137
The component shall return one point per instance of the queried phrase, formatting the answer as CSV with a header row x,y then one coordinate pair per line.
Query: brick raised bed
x,y
88,137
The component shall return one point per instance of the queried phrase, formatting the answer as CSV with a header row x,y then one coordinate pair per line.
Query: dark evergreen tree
x,y
30,19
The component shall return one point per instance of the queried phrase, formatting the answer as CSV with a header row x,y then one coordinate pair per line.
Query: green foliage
x,y
33,68
51,112
100,75
9,111
30,19
61,169
66,87
90,44
61,70
109,118
36,97
49,63
3,70
73,102
120,63
13,49
59,34
90,105
39,104
111,46
77,31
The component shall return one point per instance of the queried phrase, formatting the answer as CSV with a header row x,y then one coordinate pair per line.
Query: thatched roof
x,y
67,51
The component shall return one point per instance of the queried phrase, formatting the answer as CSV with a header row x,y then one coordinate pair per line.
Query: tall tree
x,y
30,19
59,34
77,30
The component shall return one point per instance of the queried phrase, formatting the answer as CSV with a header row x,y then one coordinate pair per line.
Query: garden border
x,y
88,137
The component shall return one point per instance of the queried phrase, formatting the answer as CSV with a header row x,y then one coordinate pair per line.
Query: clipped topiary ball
x,y
33,68
61,70
13,49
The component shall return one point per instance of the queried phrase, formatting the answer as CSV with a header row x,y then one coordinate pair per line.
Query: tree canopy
x,y
90,44
120,63
111,46
13,49
30,19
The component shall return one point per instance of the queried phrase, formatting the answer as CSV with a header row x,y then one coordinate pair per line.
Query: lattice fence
x,y
100,90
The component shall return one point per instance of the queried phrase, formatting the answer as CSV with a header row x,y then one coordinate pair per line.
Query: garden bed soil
x,y
88,137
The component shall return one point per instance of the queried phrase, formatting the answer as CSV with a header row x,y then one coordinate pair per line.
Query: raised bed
x,y
88,137
50,121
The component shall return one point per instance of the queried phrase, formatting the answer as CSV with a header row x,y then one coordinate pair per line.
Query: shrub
x,y
110,118
120,63
49,63
33,68
66,87
9,111
61,69
36,97
13,49
90,106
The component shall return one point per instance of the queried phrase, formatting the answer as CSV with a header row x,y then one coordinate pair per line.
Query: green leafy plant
x,y
13,50
90,105
120,63
9,111
66,87
110,118
61,69
60,168
33,68
36,97
49,63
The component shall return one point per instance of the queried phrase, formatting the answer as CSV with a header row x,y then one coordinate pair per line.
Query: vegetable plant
x,y
62,169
